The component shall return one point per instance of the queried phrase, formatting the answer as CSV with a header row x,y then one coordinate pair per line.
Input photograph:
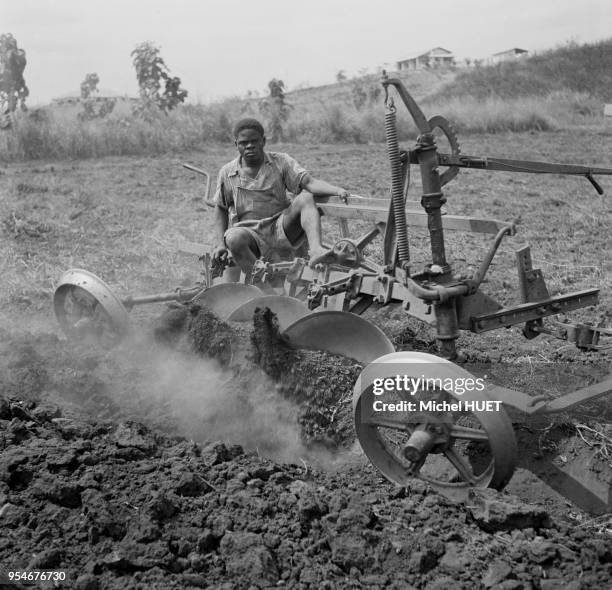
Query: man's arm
x,y
221,221
297,178
321,188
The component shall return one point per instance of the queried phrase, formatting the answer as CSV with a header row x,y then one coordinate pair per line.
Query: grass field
x,y
120,217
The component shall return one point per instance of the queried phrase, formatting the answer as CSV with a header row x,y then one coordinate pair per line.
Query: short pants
x,y
270,240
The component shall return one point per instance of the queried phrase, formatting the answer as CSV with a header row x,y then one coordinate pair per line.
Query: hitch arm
x,y
180,295
527,166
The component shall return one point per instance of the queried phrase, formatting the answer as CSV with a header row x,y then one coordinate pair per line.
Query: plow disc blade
x,y
340,332
224,298
287,309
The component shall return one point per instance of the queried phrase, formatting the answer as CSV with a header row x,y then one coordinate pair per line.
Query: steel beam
x,y
533,311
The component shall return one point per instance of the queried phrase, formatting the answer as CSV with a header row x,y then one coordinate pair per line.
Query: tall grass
x,y
55,134
558,110
193,127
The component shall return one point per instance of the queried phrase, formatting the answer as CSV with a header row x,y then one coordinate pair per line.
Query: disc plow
x,y
454,440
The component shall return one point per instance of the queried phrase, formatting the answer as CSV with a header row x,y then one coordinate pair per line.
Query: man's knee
x,y
304,200
238,239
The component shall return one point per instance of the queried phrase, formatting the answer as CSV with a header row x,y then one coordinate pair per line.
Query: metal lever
x,y
418,117
208,201
592,180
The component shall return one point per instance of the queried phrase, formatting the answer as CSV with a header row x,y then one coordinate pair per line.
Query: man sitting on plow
x,y
254,216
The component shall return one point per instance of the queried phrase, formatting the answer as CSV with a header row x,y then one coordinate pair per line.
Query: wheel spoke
x,y
393,423
462,467
468,433
414,468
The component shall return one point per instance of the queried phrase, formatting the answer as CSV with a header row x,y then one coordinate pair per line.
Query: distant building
x,y
438,57
508,55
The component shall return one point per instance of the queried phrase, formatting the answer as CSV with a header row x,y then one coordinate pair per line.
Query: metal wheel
x,y
287,309
340,332
453,450
87,309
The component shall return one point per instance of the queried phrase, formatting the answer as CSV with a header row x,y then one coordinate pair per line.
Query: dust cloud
x,y
172,389
198,399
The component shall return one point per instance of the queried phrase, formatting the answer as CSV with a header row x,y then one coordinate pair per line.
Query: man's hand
x,y
344,195
219,254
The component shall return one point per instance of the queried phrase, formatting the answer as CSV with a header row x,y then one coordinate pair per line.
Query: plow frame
x,y
353,283
320,307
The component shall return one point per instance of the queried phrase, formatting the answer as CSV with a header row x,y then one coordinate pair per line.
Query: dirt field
x,y
95,478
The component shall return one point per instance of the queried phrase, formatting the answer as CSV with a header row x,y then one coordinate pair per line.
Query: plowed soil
x,y
215,457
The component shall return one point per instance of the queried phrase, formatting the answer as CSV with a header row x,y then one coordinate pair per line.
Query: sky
x,y
223,48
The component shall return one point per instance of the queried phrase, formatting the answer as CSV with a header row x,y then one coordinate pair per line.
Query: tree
x,y
151,73
340,76
276,109
173,94
13,88
89,86
94,107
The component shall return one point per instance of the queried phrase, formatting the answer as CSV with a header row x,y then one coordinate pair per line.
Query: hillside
x,y
571,68
421,83
574,68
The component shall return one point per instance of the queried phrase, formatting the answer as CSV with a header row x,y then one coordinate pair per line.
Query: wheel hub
x,y
427,437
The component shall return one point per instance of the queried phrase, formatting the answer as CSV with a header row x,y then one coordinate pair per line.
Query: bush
x,y
64,135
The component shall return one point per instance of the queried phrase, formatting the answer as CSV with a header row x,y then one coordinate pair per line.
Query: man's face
x,y
250,144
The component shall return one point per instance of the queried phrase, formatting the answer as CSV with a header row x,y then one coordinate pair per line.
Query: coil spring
x,y
397,189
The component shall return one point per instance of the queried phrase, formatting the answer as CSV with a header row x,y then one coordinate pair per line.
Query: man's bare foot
x,y
320,256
